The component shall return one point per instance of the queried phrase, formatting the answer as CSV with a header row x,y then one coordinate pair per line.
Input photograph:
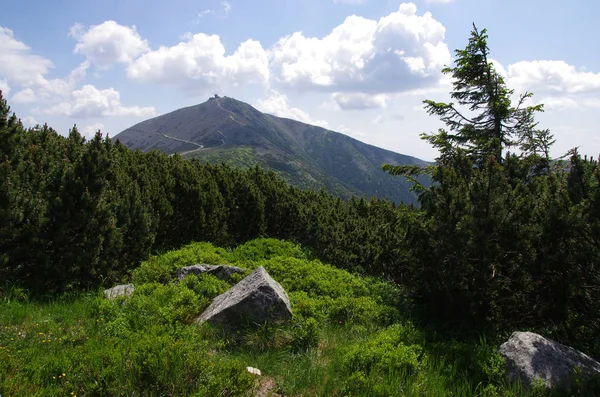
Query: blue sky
x,y
358,67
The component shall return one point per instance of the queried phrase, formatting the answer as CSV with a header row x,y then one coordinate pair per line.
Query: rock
x,y
220,271
119,290
254,300
532,358
254,371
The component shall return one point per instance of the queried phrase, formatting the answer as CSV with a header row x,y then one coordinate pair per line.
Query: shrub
x,y
161,268
267,248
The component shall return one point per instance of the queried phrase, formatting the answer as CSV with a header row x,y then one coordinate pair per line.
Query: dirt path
x,y
202,147
231,114
169,137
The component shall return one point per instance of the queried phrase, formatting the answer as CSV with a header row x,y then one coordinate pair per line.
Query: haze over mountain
x,y
228,130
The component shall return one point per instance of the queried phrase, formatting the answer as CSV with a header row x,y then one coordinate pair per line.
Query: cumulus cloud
x,y
19,66
558,84
29,121
553,76
277,105
24,96
400,52
28,72
200,63
92,102
89,131
108,43
358,101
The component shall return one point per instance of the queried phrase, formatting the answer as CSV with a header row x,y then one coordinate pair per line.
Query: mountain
x,y
226,130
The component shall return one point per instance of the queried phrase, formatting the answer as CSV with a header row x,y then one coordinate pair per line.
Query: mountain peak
x,y
229,130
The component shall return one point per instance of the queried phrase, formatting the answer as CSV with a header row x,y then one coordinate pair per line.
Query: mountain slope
x,y
224,129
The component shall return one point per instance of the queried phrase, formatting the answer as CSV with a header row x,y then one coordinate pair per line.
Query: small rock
x,y
254,300
119,290
532,358
222,272
254,371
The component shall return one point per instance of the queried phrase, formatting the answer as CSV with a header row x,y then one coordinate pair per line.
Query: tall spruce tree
x,y
473,246
483,120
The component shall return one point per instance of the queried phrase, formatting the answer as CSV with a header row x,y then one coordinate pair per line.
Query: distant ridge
x,y
226,130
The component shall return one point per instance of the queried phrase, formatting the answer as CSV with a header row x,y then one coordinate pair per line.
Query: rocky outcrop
x,y
254,300
531,358
222,272
119,290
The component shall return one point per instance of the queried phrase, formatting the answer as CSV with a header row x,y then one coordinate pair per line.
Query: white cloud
x,y
558,103
560,85
343,129
26,95
108,43
204,13
5,88
277,105
226,7
186,36
553,76
591,102
29,121
349,131
200,63
358,101
378,120
225,10
28,71
18,65
401,52
89,131
91,102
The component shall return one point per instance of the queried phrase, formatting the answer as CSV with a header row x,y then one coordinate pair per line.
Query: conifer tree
x,y
472,250
483,120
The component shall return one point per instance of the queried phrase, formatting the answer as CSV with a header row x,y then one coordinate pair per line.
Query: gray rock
x,y
119,290
220,271
532,358
254,300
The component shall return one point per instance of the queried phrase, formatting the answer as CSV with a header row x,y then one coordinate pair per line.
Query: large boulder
x,y
119,290
532,359
220,271
254,300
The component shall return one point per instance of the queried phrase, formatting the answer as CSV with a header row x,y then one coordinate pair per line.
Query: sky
x,y
359,67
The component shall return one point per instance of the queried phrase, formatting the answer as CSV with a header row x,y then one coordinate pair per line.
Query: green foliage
x,y
495,124
503,241
142,344
267,248
160,268
395,349
77,214
346,338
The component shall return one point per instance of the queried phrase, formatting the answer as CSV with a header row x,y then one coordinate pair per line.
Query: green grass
x,y
349,336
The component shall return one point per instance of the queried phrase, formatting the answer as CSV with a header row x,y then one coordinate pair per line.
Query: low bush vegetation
x,y
350,335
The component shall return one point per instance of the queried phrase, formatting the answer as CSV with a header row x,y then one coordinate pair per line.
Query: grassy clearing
x,y
349,336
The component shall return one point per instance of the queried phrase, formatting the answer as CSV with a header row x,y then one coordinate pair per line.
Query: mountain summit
x,y
228,130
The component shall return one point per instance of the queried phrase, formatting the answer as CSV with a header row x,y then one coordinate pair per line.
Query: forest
x,y
504,238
